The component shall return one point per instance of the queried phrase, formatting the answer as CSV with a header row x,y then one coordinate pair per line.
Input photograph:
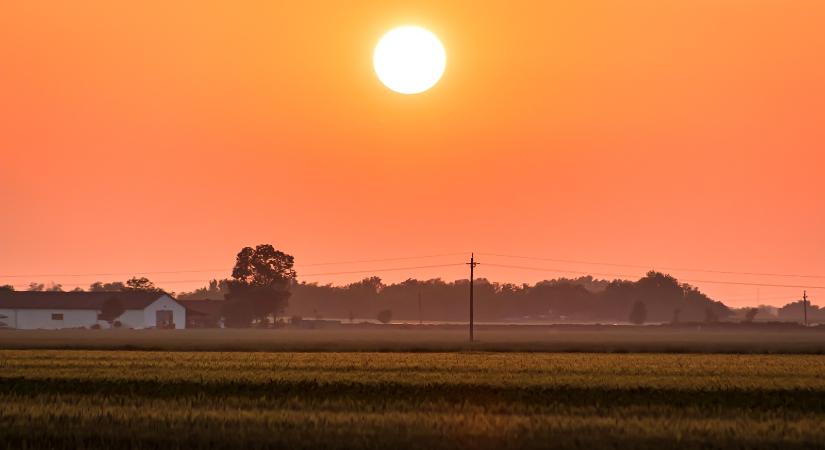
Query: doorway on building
x,y
164,319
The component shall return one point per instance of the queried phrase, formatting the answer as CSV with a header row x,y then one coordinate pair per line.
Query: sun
x,y
409,60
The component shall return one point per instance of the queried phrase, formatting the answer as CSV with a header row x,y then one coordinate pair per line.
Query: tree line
x,y
134,284
263,287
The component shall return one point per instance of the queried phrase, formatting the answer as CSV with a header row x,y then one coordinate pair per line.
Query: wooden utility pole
x,y
805,306
420,321
472,265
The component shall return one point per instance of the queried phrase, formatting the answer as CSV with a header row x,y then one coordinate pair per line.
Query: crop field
x,y
65,399
609,339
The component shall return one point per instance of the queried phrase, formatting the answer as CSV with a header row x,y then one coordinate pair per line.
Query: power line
x,y
224,269
379,270
358,261
35,275
683,269
737,283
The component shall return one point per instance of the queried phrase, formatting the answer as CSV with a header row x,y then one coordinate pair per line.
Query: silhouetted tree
x,y
263,266
215,290
549,300
36,287
259,288
141,284
385,316
6,288
55,287
676,313
115,286
710,315
794,312
638,314
751,314
110,310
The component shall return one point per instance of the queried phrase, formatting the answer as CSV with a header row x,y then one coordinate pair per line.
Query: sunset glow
x,y
162,137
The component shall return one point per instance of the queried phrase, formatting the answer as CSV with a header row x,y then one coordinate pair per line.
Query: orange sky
x,y
163,136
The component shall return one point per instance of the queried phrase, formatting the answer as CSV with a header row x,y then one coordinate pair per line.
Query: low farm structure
x,y
58,310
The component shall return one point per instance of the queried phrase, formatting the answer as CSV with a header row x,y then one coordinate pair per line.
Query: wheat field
x,y
63,399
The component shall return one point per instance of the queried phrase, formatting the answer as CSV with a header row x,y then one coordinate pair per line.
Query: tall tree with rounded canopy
x,y
259,288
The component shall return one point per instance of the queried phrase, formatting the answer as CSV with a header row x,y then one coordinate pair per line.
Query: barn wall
x,y
10,317
34,319
132,318
41,319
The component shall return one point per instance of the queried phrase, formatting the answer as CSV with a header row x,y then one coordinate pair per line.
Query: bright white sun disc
x,y
409,60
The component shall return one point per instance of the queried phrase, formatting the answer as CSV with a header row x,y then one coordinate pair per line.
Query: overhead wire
x,y
224,269
638,266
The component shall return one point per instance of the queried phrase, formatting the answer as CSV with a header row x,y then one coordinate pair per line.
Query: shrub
x,y
385,316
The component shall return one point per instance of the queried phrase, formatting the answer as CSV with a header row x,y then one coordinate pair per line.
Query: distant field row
x,y
198,400
433,339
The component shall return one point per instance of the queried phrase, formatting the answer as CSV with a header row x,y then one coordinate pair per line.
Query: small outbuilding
x,y
57,310
203,313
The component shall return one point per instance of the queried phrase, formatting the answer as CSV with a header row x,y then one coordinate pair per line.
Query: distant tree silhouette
x,y
215,290
259,288
55,287
676,313
110,310
98,286
793,312
551,300
141,284
710,315
638,314
36,287
385,316
751,314
6,288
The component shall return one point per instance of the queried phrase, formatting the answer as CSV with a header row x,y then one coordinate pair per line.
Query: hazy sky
x,y
163,136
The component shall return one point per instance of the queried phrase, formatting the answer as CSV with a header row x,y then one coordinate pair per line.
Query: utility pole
x,y
420,321
805,306
472,265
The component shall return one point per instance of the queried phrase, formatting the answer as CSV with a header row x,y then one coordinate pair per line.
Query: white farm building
x,y
56,310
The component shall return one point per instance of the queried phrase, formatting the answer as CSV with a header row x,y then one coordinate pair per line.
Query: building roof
x,y
211,308
75,300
